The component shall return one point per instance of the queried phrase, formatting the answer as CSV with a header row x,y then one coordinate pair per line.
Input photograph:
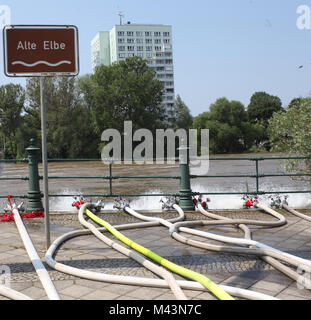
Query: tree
x,y
225,121
69,129
290,132
12,98
297,101
124,91
229,129
262,107
184,118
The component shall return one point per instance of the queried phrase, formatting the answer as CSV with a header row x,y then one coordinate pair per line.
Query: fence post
x,y
34,193
186,202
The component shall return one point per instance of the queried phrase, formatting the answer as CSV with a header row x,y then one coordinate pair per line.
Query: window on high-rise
x,y
139,40
169,83
130,40
121,48
147,34
130,48
120,33
166,34
121,40
139,33
130,33
148,40
157,34
149,48
158,48
157,41
140,48
167,41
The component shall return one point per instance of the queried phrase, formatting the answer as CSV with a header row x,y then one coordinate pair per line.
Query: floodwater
x,y
155,186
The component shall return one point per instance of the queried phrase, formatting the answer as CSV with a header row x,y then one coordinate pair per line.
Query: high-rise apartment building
x,y
148,41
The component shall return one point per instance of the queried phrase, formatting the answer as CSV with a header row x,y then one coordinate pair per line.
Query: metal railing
x,y
185,193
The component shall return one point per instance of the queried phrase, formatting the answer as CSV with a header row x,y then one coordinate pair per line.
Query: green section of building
x,y
100,46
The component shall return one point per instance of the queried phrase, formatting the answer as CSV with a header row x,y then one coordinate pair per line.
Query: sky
x,y
222,48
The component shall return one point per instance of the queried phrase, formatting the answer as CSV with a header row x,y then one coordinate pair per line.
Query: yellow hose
x,y
209,284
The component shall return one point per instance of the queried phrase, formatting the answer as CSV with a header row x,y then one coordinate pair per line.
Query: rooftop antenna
x,y
121,16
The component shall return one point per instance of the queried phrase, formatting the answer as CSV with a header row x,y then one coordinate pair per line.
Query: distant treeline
x,y
80,109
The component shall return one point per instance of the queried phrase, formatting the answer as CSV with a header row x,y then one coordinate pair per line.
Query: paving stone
x,y
283,296
278,277
144,293
20,286
100,295
92,284
205,296
268,285
121,289
34,292
295,291
124,298
5,256
240,282
76,291
165,296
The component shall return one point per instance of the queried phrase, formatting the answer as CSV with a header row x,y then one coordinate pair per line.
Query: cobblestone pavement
x,y
87,252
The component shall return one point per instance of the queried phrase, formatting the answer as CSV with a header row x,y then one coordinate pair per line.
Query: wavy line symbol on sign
x,y
41,62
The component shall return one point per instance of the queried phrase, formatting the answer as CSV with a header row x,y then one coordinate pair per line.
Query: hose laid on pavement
x,y
34,257
132,254
262,248
129,280
215,289
296,213
267,253
12,294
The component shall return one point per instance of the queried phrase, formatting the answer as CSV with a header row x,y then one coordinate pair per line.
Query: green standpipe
x,y
34,193
186,202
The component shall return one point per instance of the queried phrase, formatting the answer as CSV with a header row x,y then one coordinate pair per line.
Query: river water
x,y
155,186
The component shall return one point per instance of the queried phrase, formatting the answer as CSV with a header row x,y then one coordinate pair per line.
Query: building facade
x,y
153,43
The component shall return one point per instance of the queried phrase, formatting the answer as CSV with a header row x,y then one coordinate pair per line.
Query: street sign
x,y
41,51
31,51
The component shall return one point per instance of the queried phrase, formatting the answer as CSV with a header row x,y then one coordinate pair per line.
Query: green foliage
x,y
184,118
124,91
290,132
229,130
262,107
12,99
297,101
69,130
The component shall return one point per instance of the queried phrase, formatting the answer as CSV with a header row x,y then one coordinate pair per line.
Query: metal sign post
x,y
45,163
41,51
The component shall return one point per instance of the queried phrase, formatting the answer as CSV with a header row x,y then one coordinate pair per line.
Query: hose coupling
x,y
250,201
169,202
99,205
201,201
121,204
275,201
172,231
284,201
